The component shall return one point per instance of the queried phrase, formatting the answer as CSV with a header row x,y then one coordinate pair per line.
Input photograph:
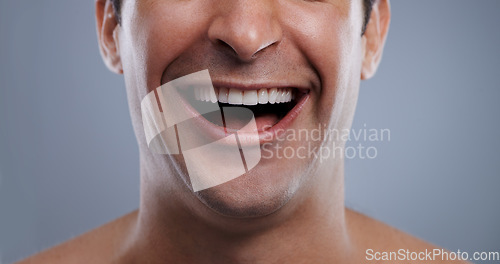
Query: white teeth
x,y
223,93
273,94
263,96
213,96
250,97
235,97
287,95
247,97
197,93
279,98
205,95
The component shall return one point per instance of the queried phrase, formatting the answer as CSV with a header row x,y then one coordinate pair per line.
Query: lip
x,y
253,86
267,135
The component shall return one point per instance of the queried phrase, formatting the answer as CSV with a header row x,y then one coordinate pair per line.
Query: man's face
x,y
313,48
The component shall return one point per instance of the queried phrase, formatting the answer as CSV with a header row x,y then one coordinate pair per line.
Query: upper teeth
x,y
247,97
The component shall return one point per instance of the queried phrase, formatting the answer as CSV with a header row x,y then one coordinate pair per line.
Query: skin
x,y
284,210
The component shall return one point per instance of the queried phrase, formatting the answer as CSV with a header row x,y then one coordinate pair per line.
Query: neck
x,y
174,226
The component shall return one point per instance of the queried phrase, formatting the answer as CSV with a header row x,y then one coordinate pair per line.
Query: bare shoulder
x,y
96,246
378,242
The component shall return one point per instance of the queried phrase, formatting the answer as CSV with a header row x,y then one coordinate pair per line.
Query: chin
x,y
258,193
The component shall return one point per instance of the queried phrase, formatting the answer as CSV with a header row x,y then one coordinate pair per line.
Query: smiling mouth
x,y
270,106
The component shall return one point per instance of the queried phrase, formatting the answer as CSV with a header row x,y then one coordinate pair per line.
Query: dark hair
x,y
368,4
116,7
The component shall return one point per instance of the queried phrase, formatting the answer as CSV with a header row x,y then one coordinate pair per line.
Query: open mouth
x,y
268,105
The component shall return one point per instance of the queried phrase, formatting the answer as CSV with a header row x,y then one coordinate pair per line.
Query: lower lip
x,y
266,135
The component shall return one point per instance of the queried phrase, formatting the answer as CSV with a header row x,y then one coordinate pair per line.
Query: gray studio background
x,y
69,161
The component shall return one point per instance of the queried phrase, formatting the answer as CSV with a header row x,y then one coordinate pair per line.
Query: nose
x,y
245,27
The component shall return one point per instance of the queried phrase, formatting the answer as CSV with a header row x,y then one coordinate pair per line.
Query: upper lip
x,y
252,85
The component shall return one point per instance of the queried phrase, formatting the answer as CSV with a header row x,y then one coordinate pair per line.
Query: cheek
x,y
157,32
328,36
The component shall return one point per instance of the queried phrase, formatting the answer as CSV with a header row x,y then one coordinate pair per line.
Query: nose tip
x,y
245,29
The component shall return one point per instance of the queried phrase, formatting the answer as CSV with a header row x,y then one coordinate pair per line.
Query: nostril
x,y
243,53
224,45
244,33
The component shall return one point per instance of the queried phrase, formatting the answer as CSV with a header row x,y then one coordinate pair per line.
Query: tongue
x,y
236,121
235,118
266,121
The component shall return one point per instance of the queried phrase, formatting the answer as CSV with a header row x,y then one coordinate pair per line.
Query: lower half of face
x,y
242,94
